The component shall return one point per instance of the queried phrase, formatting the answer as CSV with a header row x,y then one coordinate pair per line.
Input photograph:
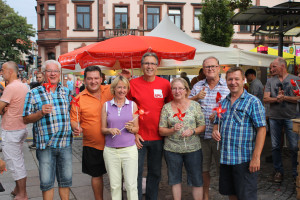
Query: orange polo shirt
x,y
89,116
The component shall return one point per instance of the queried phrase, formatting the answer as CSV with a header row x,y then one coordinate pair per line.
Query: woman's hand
x,y
129,126
187,133
114,131
178,126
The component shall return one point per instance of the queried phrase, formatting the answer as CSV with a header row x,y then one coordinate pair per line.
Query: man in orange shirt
x,y
86,119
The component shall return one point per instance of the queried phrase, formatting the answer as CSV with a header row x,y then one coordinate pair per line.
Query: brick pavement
x,y
81,189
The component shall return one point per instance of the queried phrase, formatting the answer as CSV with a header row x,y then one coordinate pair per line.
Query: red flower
x,y
219,110
180,115
48,86
74,101
296,92
218,97
141,112
293,82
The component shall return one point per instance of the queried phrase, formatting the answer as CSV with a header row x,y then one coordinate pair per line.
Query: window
x,y
42,22
51,16
121,17
83,17
51,56
175,16
51,7
245,28
197,13
152,17
51,21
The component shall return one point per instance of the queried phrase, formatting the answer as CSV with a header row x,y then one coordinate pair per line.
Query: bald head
x,y
10,71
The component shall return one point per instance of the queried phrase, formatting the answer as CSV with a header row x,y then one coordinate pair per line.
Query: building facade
x,y
66,25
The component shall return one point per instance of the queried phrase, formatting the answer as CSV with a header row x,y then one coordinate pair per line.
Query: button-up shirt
x,y
238,128
209,102
54,129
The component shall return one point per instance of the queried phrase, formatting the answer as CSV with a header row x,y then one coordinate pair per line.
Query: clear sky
x,y
25,8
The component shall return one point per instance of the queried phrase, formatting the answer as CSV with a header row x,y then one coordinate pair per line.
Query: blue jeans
x,y
276,126
193,166
55,162
154,150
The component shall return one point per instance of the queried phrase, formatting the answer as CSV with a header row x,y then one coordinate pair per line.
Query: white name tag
x,y
158,93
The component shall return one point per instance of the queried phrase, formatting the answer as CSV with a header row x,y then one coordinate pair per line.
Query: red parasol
x,y
126,51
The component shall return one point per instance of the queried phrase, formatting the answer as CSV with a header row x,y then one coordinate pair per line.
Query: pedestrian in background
x,y
14,130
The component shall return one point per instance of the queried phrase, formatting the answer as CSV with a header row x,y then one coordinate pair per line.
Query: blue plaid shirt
x,y
53,130
238,128
209,102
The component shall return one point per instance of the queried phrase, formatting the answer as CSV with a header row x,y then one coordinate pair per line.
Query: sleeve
x,y
258,115
75,112
163,122
129,94
28,108
7,94
268,86
193,92
200,120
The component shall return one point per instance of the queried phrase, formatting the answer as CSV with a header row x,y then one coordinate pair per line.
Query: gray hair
x,y
210,57
149,54
51,62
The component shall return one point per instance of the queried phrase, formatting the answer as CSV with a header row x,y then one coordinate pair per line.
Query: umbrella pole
x,y
131,66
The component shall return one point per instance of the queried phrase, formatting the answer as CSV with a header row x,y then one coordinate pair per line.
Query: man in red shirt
x,y
150,93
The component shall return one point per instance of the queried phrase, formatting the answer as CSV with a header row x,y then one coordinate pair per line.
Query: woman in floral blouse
x,y
181,122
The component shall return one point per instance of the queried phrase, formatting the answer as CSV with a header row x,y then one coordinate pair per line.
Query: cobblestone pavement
x,y
267,190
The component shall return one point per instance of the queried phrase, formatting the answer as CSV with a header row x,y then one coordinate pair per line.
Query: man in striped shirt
x,y
242,135
205,92
48,108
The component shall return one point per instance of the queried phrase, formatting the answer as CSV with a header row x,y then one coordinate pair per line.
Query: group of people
x,y
125,122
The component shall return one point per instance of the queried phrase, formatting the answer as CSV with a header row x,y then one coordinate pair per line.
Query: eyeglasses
x,y
52,71
178,89
147,63
210,67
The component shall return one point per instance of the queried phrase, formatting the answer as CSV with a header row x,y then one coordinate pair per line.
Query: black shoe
x,y
33,146
278,177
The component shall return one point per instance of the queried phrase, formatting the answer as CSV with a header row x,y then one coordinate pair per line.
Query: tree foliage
x,y
242,5
15,34
215,26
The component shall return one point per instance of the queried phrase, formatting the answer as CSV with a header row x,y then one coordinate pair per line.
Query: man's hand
x,y
254,165
46,109
138,140
2,166
126,73
216,135
77,130
280,96
212,117
201,94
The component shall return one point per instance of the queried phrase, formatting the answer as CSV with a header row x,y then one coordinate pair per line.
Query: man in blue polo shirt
x,y
242,136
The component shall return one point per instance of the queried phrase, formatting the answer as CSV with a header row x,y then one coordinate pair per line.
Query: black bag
x,y
1,188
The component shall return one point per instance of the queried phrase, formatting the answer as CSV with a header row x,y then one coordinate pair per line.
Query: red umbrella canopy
x,y
128,50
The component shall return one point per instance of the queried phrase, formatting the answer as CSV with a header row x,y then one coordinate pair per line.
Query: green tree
x,y
15,34
242,5
215,26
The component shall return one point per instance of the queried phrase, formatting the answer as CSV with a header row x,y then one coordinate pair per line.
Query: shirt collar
x,y
112,102
221,82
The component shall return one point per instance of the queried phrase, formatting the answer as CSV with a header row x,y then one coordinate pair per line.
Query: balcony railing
x,y
110,33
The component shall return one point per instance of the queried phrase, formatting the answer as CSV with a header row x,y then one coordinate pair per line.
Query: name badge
x,y
158,93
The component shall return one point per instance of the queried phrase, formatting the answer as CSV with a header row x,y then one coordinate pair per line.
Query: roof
x,y
280,19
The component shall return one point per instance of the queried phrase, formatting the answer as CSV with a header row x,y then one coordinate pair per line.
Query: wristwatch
x,y
194,132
